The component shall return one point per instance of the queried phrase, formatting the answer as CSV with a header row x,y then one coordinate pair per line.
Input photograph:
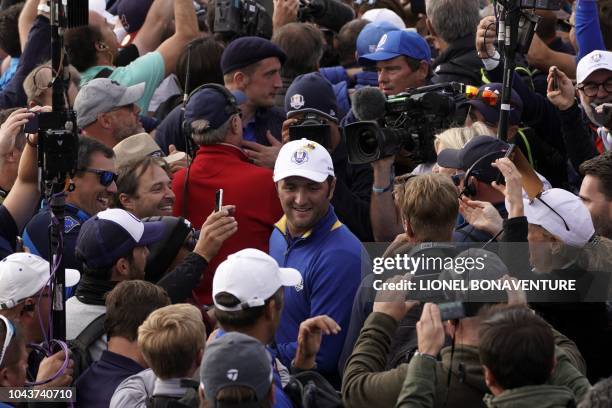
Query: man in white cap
x,y
557,226
310,238
107,111
25,294
25,298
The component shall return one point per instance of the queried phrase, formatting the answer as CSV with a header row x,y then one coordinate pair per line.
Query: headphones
x,y
230,108
469,189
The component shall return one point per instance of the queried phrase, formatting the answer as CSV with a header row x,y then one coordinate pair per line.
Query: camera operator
x,y
402,59
312,95
544,377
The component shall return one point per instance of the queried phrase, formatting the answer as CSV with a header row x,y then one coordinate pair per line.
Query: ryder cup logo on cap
x,y
592,62
297,101
303,158
232,374
300,156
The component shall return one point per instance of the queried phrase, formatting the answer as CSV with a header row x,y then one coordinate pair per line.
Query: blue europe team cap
x,y
396,43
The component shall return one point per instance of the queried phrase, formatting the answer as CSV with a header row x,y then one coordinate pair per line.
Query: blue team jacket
x,y
329,257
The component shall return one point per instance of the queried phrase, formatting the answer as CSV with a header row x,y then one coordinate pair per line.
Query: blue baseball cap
x,y
113,234
311,93
396,43
368,38
212,105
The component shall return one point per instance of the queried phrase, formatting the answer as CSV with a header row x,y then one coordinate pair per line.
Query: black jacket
x,y
459,63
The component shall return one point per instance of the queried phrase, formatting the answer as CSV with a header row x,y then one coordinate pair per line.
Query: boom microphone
x,y
368,103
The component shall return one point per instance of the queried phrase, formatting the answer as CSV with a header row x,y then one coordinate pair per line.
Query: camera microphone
x,y
368,103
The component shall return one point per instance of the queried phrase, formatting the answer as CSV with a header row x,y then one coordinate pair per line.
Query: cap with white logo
x,y
235,360
252,276
303,158
592,62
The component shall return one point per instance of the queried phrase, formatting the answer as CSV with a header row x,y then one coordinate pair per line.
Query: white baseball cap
x,y
384,14
592,62
570,210
22,275
303,158
252,276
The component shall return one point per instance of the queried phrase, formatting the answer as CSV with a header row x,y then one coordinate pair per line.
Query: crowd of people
x,y
218,229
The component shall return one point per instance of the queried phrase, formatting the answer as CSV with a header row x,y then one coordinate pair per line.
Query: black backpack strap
x,y
91,333
104,73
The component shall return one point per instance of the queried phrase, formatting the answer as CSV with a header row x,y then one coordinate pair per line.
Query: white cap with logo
x,y
252,276
22,275
303,158
572,222
592,62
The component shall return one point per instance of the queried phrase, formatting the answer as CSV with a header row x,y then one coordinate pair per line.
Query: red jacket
x,y
250,188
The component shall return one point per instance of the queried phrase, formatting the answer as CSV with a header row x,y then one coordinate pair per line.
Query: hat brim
x,y
450,158
310,175
489,113
153,232
289,276
132,94
378,56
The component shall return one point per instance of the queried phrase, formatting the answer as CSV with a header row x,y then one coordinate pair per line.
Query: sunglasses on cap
x,y
10,332
106,177
486,95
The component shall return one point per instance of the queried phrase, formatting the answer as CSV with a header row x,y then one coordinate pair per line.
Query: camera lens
x,y
367,142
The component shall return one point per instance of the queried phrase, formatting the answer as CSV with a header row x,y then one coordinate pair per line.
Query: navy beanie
x,y
311,93
245,51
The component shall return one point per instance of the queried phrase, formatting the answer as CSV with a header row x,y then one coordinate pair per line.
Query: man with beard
x,y
594,78
596,192
108,111
94,185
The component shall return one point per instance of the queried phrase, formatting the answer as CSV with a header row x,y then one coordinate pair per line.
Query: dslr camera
x,y
411,121
311,127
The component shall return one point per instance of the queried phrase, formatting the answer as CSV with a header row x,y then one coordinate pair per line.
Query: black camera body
x,y
58,145
411,120
239,18
332,14
541,4
313,128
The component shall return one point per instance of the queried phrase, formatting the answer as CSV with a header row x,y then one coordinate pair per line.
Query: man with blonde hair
x,y
428,207
172,341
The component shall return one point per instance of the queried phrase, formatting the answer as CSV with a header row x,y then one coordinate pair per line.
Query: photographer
x,y
311,97
544,377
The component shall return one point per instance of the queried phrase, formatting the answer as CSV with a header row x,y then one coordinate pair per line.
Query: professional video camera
x,y
330,14
407,120
311,127
239,18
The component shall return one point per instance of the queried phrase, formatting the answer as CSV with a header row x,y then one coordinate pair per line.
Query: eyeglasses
x,y
591,89
106,177
10,332
539,198
486,95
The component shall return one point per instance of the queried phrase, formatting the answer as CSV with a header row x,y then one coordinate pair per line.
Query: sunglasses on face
x,y
10,331
106,177
591,89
